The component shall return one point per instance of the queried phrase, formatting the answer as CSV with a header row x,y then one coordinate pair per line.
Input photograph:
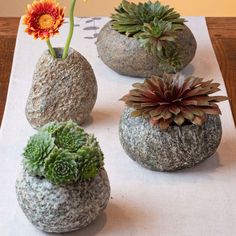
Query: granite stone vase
x,y
176,148
124,55
62,209
61,89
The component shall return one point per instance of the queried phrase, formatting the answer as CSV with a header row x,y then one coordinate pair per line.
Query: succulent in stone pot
x,y
64,86
146,39
171,122
63,186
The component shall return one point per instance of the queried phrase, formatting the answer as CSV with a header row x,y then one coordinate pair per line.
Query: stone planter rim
x,y
59,52
189,124
64,185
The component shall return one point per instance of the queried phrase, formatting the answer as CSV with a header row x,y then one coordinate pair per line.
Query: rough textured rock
x,y
61,89
62,209
173,149
124,55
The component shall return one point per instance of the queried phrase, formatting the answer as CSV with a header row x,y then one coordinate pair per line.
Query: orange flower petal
x,y
43,18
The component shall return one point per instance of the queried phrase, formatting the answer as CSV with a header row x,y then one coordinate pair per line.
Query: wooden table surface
x,y
222,32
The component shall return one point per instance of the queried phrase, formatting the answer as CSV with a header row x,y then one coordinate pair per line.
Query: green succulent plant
x,y
51,127
89,159
70,136
37,150
154,26
60,167
63,153
174,100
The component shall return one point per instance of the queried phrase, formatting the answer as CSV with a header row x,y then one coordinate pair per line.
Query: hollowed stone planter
x,y
61,89
170,150
124,55
62,209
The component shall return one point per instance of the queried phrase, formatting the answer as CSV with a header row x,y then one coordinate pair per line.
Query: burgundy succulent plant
x,y
174,100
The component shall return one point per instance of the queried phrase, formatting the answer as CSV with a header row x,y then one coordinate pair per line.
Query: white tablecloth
x,y
200,201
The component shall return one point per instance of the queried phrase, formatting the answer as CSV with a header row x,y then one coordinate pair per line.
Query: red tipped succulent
x,y
174,100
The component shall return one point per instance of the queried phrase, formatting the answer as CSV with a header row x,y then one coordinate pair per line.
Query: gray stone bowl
x,y
124,55
170,150
62,209
61,89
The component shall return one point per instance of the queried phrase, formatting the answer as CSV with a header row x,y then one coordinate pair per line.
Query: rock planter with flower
x,y
146,39
63,186
64,86
171,123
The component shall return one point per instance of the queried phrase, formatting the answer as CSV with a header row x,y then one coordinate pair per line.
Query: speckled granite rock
x,y
173,149
62,209
124,55
61,89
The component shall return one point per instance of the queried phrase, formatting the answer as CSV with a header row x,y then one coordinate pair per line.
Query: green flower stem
x,y
67,45
52,51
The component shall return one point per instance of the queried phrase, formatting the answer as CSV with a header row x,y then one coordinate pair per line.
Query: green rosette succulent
x,y
51,127
155,26
63,153
89,159
69,136
60,167
37,150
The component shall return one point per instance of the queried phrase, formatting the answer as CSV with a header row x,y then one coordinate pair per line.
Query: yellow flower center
x,y
46,21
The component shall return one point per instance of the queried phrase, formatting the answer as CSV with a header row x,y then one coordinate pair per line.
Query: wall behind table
x,y
105,7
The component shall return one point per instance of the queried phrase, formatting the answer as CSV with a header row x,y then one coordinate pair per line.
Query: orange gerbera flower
x,y
43,18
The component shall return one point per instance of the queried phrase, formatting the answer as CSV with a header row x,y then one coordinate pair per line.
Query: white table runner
x,y
200,201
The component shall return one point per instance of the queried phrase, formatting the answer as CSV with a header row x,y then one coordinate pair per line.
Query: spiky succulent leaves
x,y
63,153
174,100
89,159
159,38
51,127
157,32
69,136
154,26
130,17
37,150
61,167
170,59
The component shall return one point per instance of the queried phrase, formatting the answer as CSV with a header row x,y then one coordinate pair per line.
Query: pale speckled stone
x,y
124,55
62,209
173,149
61,89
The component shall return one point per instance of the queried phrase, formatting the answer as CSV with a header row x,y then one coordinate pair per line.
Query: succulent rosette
x,y
174,100
89,159
61,167
38,148
63,153
70,137
155,26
